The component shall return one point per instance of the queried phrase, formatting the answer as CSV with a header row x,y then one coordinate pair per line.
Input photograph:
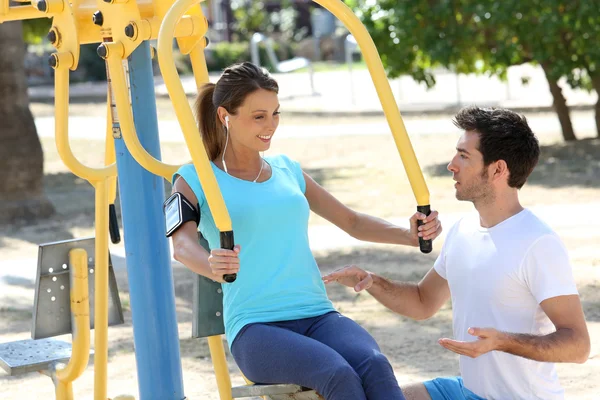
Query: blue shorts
x,y
450,388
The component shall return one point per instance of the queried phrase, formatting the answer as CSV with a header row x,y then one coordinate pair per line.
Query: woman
x,y
279,323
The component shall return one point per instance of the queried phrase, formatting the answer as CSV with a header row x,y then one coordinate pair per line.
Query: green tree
x,y
487,36
35,30
581,35
250,17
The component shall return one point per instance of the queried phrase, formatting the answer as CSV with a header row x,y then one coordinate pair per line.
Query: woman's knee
x,y
375,363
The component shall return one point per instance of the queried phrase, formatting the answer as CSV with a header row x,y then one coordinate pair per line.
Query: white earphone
x,y
226,141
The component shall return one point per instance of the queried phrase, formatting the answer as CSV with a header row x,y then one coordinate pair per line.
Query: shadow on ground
x,y
410,356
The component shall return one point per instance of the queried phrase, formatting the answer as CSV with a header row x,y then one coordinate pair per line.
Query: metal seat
x,y
24,356
52,310
275,392
208,321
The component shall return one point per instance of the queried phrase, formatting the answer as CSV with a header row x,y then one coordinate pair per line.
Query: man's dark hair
x,y
503,135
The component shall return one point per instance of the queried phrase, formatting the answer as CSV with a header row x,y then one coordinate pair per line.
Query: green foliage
x,y
223,54
485,36
94,68
35,30
251,16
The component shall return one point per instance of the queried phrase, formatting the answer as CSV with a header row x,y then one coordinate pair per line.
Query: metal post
x,y
148,256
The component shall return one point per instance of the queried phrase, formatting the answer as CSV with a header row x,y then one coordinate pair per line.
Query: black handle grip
x,y
227,242
425,245
113,225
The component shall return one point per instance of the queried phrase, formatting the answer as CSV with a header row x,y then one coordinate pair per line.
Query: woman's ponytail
x,y
213,134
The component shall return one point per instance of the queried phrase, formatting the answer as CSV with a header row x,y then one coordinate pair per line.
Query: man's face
x,y
472,183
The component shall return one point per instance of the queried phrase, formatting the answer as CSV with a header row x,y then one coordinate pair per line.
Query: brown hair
x,y
503,135
230,91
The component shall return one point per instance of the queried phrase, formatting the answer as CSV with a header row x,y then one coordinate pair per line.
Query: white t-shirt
x,y
498,277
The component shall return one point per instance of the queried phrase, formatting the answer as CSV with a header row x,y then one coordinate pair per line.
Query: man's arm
x,y
569,343
414,300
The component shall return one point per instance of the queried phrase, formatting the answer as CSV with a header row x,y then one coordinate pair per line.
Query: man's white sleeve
x,y
440,263
547,270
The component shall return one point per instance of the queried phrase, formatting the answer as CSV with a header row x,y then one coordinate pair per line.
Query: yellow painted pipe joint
x,y
191,25
50,6
61,59
54,37
111,49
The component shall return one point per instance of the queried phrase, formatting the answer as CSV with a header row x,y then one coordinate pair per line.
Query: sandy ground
x,y
366,174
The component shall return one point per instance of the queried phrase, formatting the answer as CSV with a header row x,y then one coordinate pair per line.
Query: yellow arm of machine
x,y
379,77
186,117
195,146
80,309
128,31
65,59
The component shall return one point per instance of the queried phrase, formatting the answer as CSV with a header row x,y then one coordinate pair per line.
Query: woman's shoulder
x,y
282,161
188,173
186,168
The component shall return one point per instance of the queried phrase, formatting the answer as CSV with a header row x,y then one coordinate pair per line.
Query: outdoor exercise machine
x,y
124,28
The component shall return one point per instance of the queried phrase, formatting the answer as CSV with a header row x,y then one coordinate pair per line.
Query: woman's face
x,y
255,121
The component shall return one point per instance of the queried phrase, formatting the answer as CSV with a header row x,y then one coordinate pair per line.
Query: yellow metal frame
x,y
382,85
99,178
200,159
80,309
118,79
162,20
185,116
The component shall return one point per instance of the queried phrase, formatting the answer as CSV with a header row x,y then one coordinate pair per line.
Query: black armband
x,y
178,210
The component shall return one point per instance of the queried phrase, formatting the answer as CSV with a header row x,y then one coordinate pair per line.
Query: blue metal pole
x,y
149,272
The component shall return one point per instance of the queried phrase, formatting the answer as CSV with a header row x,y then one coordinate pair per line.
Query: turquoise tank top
x,y
279,279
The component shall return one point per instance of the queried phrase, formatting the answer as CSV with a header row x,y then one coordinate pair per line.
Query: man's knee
x,y
415,391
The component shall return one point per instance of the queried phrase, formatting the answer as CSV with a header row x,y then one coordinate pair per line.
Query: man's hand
x,y
488,339
431,228
351,276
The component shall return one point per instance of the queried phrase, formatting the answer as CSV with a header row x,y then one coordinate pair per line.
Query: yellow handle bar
x,y
186,117
369,51
61,99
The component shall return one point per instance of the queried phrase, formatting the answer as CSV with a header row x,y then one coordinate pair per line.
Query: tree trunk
x,y
596,84
560,106
21,157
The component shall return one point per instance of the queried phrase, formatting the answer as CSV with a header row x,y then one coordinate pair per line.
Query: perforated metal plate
x,y
25,356
51,309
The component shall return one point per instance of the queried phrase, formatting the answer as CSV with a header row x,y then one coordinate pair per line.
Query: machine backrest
x,y
207,304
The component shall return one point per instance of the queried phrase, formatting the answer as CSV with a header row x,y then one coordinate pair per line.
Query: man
x,y
516,309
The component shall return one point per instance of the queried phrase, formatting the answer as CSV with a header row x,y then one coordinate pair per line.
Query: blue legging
x,y
329,353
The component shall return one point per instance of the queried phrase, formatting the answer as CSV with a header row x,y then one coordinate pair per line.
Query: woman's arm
x,y
365,227
188,251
